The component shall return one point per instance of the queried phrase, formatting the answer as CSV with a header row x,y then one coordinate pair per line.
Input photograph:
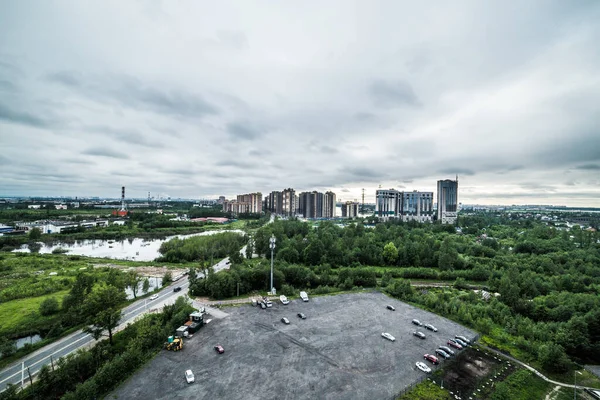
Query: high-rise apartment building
x,y
350,209
288,199
416,206
408,206
245,203
329,205
447,201
317,205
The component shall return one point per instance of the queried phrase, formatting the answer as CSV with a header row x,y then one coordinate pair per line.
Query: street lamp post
x,y
575,388
272,241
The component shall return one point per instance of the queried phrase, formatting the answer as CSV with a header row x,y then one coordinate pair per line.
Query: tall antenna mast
x,y
363,201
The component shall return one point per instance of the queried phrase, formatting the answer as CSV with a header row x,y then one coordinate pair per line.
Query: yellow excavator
x,y
174,343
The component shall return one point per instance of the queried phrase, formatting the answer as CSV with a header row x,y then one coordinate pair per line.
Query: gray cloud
x,y
131,92
243,130
457,171
235,108
589,167
22,117
105,152
392,94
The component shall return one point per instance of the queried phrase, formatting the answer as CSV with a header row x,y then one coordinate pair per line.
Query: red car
x,y
431,358
454,344
219,349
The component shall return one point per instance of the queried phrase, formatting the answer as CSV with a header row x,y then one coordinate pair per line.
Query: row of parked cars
x,y
459,342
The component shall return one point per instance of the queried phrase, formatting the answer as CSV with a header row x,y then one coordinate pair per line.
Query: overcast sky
x,y
200,99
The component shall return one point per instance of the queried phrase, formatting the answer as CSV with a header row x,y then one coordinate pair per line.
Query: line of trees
x,y
91,374
201,248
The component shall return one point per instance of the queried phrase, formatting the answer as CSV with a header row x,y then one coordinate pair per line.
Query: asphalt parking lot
x,y
336,353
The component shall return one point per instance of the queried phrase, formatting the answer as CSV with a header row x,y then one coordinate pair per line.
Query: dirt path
x,y
551,395
535,371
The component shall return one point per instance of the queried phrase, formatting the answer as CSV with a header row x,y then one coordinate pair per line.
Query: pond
x,y
21,342
129,249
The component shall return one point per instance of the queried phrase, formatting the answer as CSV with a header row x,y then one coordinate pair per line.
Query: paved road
x,y
67,345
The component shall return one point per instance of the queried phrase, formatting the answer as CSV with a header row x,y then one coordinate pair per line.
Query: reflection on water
x,y
27,340
130,249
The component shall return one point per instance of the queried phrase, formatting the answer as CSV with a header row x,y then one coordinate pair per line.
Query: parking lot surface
x,y
337,352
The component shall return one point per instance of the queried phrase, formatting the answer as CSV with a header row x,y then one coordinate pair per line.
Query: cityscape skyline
x,y
201,100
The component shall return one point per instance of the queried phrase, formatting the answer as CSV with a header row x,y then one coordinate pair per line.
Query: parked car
x,y
442,353
285,320
423,367
390,307
189,376
454,344
418,334
177,289
284,300
154,297
417,322
269,304
433,359
301,315
263,305
463,344
464,339
447,350
219,349
388,336
304,296
430,327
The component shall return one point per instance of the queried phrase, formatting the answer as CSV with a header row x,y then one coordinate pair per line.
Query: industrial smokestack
x,y
122,198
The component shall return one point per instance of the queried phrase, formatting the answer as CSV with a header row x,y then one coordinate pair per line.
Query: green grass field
x,y
22,315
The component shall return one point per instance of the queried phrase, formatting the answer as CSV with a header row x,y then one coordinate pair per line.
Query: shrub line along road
x,y
77,340
535,371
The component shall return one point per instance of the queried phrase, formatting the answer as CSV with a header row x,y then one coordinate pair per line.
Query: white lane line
x,y
48,356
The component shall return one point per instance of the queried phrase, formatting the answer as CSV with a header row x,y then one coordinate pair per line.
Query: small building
x,y
34,206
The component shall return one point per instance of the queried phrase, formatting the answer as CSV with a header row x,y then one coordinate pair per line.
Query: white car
x,y
423,367
284,300
388,336
189,376
269,304
304,296
154,297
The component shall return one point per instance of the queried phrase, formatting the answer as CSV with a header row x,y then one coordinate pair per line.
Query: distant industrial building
x,y
408,206
447,201
245,203
350,209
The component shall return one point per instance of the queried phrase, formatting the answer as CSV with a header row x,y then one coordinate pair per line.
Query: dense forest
x,y
548,280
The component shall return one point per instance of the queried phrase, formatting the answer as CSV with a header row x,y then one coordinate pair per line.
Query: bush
x,y
49,306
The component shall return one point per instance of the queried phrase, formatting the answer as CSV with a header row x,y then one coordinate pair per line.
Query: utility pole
x,y
22,374
272,241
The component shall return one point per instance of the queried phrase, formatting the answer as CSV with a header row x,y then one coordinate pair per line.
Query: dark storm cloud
x,y
22,117
392,94
589,167
244,130
105,152
132,92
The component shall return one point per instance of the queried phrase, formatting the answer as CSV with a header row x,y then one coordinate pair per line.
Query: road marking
x,y
40,360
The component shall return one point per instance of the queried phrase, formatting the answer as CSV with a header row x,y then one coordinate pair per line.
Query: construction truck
x,y
174,343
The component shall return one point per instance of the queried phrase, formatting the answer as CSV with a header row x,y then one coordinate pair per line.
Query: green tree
x,y
102,310
146,285
49,306
167,278
35,234
448,255
390,253
133,281
7,346
553,358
